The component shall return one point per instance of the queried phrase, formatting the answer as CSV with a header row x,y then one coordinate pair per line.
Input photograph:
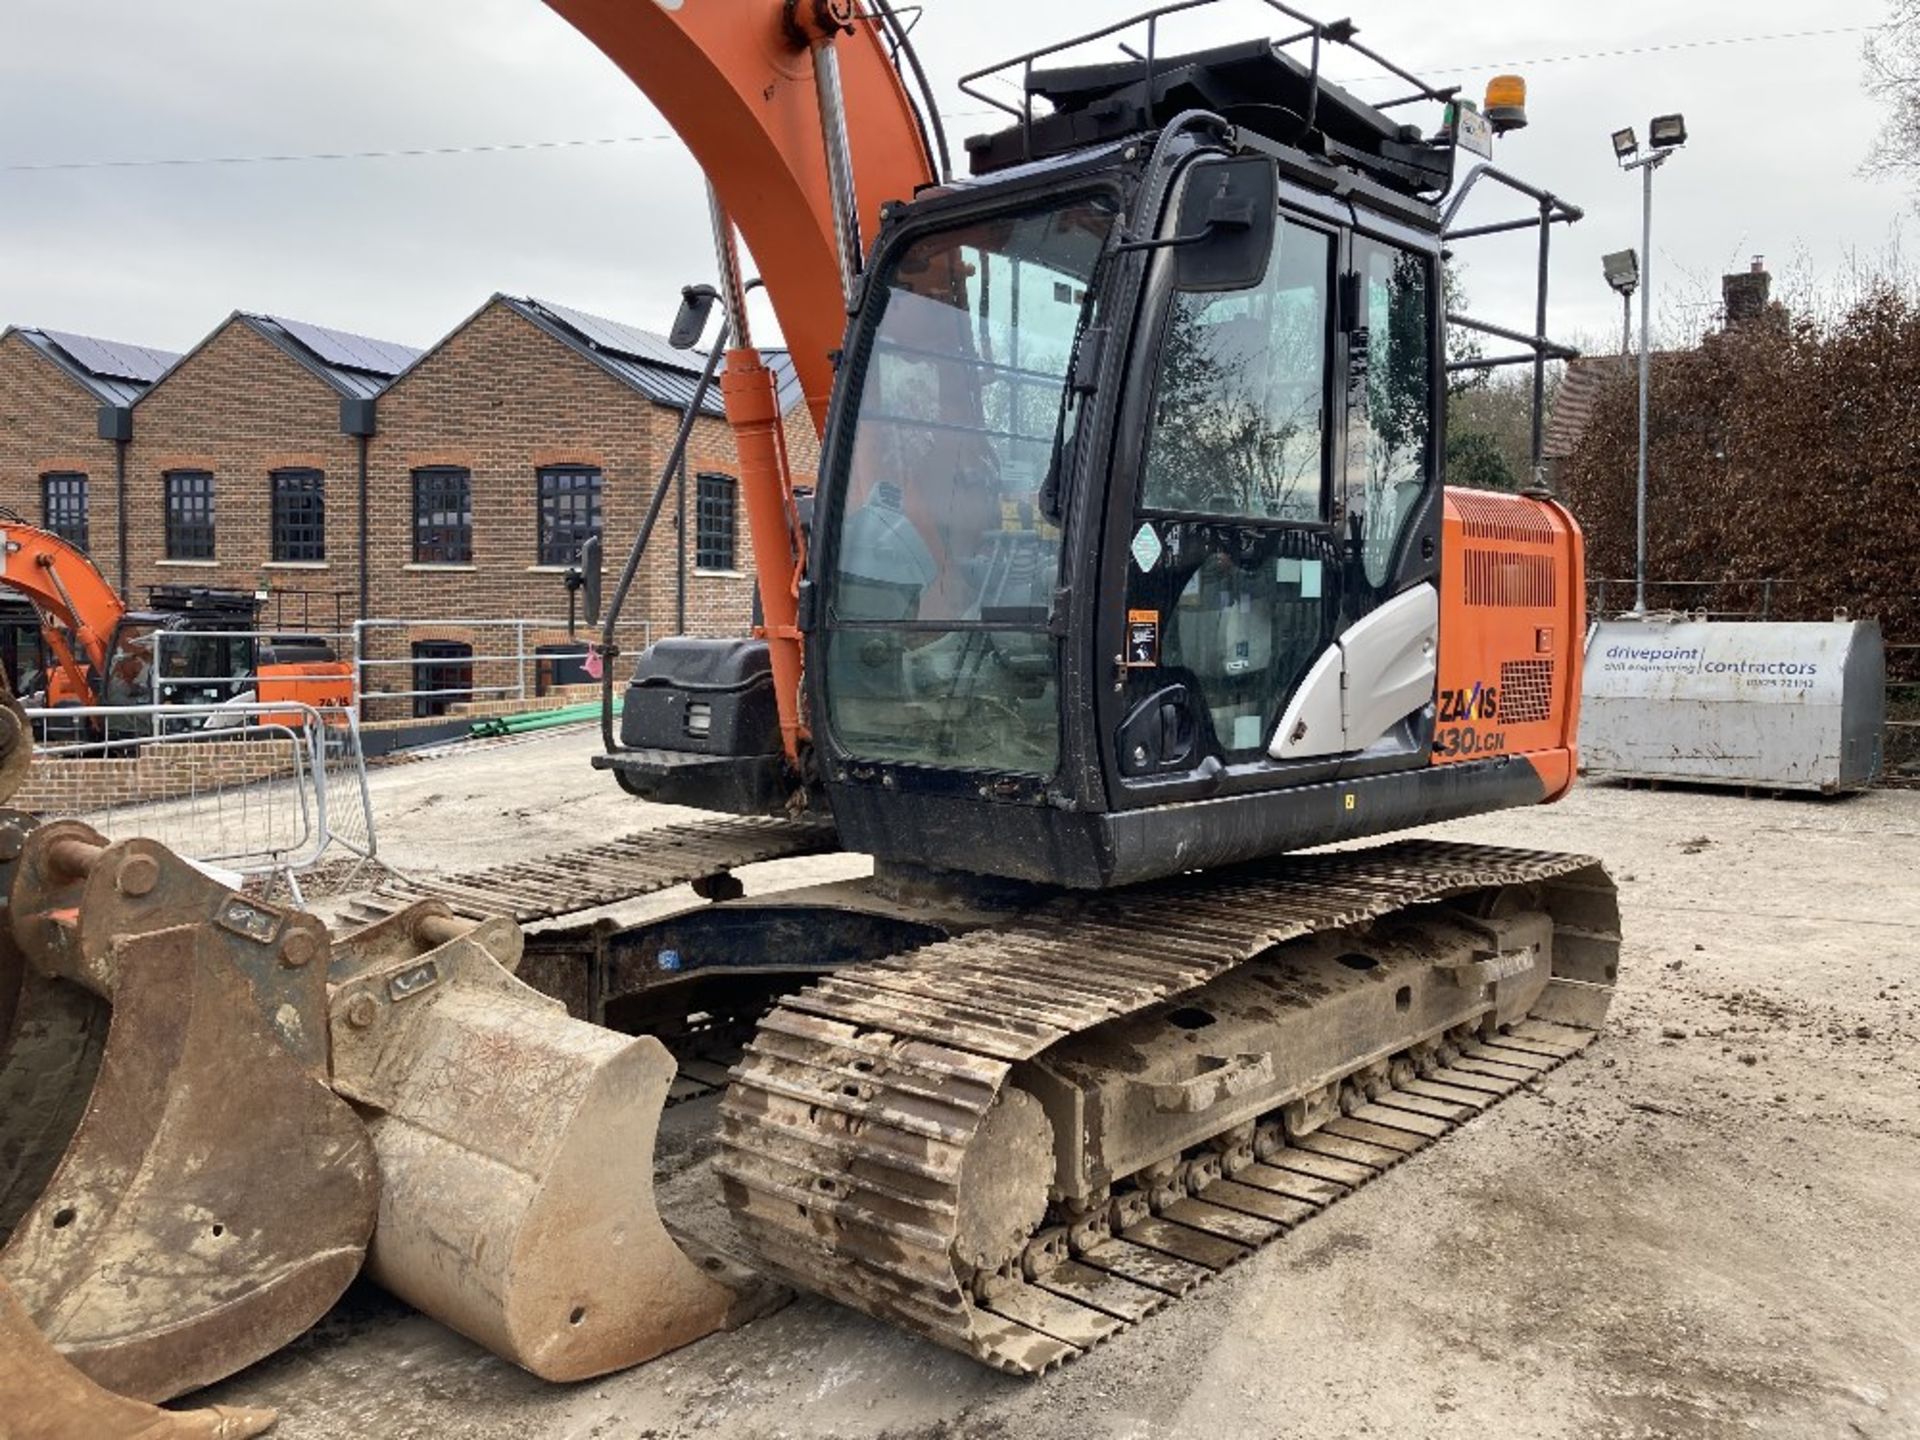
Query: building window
x,y
299,515
442,676
442,516
189,515
569,511
557,665
63,506
713,523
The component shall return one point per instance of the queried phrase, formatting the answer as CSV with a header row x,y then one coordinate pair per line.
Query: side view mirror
x,y
590,579
1231,208
696,304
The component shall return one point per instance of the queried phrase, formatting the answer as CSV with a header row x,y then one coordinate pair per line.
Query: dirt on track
x,y
1708,1226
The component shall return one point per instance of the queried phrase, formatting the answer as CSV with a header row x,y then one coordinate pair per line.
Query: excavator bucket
x,y
51,1037
48,1399
515,1149
216,1196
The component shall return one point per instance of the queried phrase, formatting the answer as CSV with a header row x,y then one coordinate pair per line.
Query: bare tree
x,y
1893,78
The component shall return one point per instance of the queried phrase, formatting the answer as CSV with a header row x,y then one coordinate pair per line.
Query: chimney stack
x,y
1746,295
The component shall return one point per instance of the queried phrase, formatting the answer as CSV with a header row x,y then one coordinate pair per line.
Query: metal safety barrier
x,y
293,799
499,659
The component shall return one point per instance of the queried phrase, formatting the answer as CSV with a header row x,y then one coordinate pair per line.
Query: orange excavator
x,y
1131,574
98,652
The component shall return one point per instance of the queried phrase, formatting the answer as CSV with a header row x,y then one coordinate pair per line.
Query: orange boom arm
x,y
78,609
735,79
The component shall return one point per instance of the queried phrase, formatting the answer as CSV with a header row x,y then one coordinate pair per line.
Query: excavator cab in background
x,y
1132,552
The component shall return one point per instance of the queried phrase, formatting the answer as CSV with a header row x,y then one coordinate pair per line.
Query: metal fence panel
x,y
279,792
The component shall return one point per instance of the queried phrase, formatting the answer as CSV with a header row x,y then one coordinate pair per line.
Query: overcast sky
x,y
403,248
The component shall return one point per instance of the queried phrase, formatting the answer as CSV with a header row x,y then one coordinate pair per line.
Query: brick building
x,y
247,460
356,478
527,428
64,421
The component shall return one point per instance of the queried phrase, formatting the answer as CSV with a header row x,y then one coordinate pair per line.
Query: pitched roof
x,y
115,372
644,360
355,365
1573,404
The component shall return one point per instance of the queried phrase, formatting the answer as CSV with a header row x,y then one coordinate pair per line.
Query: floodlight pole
x,y
1646,165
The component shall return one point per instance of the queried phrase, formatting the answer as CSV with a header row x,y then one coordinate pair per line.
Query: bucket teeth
x,y
48,1399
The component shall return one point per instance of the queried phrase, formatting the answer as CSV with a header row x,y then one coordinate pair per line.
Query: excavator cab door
x,y
1272,628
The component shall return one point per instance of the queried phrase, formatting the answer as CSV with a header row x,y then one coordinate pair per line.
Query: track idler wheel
x,y
516,1155
217,1197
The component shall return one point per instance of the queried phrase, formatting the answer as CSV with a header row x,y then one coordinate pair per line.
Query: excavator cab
x,y
1128,552
1132,552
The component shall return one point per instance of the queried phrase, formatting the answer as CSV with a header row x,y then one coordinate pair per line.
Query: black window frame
x,y
569,506
716,521
190,518
436,539
298,539
71,488
442,676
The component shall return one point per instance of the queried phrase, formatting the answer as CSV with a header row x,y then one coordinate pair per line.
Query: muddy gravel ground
x,y
1708,1226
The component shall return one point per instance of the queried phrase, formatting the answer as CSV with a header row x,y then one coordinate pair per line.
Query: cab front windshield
x,y
948,552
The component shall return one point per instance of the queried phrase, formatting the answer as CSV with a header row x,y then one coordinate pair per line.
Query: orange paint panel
x,y
1513,611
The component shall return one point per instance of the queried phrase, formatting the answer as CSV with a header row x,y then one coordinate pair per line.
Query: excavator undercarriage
x,y
1022,1140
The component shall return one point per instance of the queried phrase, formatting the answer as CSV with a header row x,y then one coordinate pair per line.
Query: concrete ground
x,y
1704,1227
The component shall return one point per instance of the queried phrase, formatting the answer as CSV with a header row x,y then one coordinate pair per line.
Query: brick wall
x,y
73,785
50,422
240,407
501,398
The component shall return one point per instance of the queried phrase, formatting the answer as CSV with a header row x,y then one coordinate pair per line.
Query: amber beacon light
x,y
1506,107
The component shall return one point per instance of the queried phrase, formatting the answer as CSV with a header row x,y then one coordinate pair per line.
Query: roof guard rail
x,y
1316,32
1539,347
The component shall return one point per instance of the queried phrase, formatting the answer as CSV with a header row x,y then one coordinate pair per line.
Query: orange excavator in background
x,y
98,652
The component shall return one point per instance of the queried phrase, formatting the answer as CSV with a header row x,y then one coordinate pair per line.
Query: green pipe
x,y
497,725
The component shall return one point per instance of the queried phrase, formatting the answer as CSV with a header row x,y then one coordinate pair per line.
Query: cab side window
x,y
1388,438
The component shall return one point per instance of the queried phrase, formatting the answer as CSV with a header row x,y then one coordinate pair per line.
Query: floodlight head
x,y
1626,144
1623,270
1667,132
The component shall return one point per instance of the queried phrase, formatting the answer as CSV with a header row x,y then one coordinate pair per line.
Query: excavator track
x,y
848,1127
700,852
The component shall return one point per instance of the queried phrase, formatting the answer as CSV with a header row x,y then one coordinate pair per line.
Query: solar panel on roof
x,y
111,358
349,351
625,340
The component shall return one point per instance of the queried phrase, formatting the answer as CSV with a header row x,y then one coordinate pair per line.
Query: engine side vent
x,y
1526,691
1498,577
1487,516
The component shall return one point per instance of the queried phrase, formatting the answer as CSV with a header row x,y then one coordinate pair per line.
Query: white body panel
x,y
1380,670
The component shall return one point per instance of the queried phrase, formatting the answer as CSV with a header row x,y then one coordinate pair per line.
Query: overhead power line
x,y
416,152
1622,52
